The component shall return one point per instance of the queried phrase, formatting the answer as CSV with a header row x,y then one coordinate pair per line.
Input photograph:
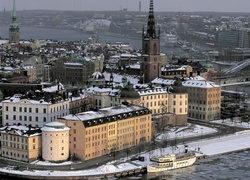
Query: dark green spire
x,y
14,23
14,10
151,21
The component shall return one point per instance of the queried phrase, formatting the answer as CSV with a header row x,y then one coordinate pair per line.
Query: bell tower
x,y
14,33
151,61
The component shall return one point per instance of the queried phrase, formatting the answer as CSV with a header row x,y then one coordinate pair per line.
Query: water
x,y
27,33
226,167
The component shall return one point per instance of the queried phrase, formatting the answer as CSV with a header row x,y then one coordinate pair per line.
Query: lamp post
x,y
201,133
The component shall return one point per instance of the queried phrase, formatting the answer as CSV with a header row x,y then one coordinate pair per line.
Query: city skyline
x,y
130,5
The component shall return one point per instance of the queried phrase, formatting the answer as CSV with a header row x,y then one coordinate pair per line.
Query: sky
x,y
131,5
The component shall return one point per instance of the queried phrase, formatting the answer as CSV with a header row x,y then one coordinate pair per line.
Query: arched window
x,y
155,49
146,48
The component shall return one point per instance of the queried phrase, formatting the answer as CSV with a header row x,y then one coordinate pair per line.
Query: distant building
x,y
97,133
233,38
73,73
21,143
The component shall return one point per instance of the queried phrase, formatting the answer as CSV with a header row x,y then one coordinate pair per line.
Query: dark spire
x,y
151,21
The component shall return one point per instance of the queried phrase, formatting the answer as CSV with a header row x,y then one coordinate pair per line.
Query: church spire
x,y
14,12
14,34
151,21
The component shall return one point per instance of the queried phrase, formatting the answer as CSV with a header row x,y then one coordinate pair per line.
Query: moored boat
x,y
173,161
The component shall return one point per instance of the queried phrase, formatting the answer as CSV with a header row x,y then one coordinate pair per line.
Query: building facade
x,y
55,142
21,143
204,101
33,112
97,133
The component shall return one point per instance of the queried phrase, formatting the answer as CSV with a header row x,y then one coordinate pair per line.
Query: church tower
x,y
14,34
150,62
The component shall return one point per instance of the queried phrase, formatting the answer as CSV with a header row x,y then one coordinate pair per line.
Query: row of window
x,y
34,119
15,145
36,110
204,109
15,154
15,138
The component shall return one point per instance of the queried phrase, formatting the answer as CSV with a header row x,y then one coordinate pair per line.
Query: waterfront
x,y
28,33
228,167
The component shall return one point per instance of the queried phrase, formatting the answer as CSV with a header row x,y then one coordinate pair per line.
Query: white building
x,y
104,97
55,142
33,112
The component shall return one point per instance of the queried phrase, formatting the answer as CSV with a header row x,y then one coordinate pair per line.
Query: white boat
x,y
173,161
170,40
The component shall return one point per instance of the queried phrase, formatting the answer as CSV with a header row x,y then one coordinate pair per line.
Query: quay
x,y
205,148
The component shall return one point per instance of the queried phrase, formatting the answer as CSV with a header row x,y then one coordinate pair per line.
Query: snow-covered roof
x,y
21,130
200,84
117,78
104,113
55,127
54,88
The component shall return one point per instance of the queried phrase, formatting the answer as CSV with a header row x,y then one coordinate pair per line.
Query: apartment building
x,y
97,133
21,143
204,99
33,111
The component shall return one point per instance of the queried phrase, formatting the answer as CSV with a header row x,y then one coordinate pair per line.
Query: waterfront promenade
x,y
110,166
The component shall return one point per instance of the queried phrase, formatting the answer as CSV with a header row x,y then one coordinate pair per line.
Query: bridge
x,y
240,66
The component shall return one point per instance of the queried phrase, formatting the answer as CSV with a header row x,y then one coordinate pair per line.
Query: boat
x,y
173,161
170,40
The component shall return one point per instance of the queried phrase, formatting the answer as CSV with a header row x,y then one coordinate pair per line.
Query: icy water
x,y
234,166
73,35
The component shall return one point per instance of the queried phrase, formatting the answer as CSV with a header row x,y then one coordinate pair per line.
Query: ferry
x,y
173,161
170,40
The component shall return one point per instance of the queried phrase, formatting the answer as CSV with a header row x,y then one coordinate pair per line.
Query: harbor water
x,y
226,167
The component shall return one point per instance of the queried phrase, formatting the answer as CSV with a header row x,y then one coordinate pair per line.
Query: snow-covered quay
x,y
205,148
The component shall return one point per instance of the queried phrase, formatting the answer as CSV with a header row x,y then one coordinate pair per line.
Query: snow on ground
x,y
216,146
230,122
187,131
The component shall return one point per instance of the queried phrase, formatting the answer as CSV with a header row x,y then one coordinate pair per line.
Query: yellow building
x,y
204,99
171,100
96,133
21,143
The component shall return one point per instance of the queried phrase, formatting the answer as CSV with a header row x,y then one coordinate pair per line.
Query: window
x,y
30,110
14,108
20,109
7,117
44,119
30,118
25,109
36,110
14,117
7,108
36,119
44,110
